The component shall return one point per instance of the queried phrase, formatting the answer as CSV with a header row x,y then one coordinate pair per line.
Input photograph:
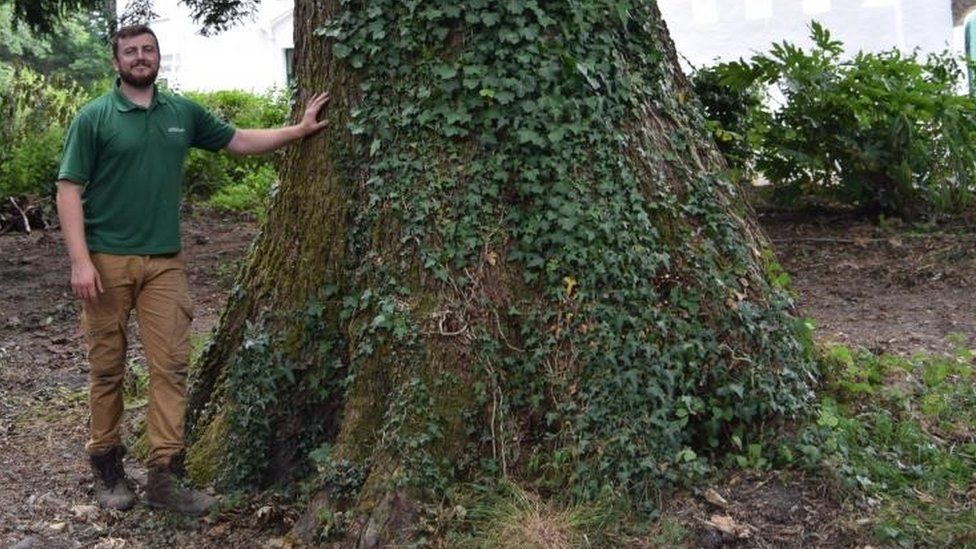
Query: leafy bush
x,y
235,182
35,112
885,132
250,194
731,114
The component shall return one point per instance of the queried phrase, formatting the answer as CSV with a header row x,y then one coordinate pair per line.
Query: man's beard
x,y
145,81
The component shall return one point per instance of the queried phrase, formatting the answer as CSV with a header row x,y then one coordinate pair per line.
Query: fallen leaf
x,y
58,526
219,531
713,497
728,525
570,284
110,543
85,512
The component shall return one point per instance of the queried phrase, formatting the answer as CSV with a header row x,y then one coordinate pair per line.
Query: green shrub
x,y
209,175
31,165
731,114
250,194
885,132
34,112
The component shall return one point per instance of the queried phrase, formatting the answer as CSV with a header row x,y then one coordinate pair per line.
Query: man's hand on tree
x,y
310,123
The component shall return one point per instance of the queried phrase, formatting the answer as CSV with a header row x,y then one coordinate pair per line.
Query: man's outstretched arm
x,y
258,141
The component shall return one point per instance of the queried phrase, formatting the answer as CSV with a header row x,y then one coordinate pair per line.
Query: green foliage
x,y
250,195
135,390
637,335
344,480
76,52
35,113
885,132
43,16
236,183
732,114
898,433
263,379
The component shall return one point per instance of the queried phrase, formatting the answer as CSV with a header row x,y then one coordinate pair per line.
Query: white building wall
x,y
250,56
726,30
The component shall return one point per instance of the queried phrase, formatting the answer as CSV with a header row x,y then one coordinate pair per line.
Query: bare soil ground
x,y
895,291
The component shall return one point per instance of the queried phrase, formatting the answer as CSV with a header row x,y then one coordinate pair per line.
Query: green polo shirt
x,y
130,160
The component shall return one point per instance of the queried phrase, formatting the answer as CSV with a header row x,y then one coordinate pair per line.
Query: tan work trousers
x,y
156,287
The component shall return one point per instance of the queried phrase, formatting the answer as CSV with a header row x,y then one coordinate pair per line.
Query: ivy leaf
x,y
585,71
556,134
526,135
490,19
505,97
445,71
341,51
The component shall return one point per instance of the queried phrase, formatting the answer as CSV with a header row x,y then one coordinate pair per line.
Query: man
x,y
119,194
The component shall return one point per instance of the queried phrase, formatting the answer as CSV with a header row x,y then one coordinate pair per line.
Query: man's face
x,y
137,60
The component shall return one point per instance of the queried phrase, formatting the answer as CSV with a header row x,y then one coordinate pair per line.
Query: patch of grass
x,y
899,432
669,532
509,516
73,397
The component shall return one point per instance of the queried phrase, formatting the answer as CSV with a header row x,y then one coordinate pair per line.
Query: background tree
x,y
75,51
514,257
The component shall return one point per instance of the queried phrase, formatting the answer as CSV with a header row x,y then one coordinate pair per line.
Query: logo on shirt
x,y
176,130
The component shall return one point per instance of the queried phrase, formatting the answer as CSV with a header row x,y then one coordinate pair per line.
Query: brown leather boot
x,y
112,489
165,490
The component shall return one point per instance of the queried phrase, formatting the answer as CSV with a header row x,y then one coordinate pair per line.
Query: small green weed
x,y
73,397
669,532
135,389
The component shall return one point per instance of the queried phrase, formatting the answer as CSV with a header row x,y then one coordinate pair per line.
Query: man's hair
x,y
129,32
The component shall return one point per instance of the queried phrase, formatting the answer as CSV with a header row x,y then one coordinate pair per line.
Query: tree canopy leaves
x,y
214,16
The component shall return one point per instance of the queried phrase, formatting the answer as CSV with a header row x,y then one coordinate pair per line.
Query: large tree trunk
x,y
513,256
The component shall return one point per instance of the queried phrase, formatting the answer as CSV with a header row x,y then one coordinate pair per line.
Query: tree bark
x,y
512,256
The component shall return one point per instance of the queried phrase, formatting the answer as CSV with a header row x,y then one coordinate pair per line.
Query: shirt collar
x,y
123,104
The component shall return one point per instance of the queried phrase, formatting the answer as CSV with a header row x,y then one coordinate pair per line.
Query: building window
x,y
170,65
705,12
759,9
813,7
289,67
